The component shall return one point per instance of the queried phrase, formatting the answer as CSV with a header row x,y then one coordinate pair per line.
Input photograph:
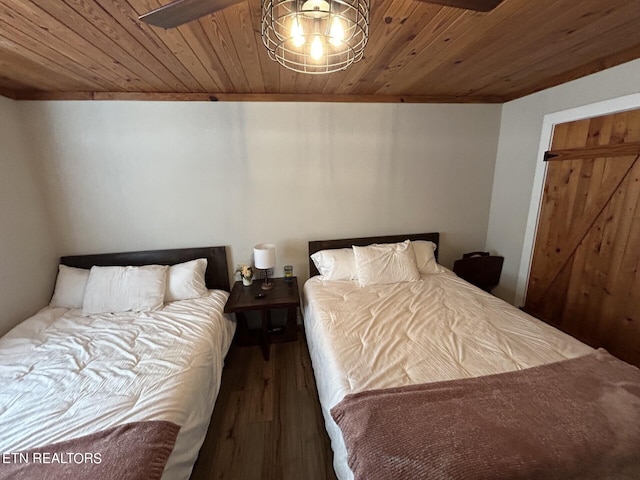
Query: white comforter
x,y
441,328
63,375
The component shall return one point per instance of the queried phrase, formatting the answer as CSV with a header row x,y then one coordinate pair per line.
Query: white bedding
x,y
64,375
440,328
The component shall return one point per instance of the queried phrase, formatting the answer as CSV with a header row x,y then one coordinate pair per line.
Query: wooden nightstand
x,y
282,295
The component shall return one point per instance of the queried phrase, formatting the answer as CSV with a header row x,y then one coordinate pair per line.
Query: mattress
x,y
65,375
440,328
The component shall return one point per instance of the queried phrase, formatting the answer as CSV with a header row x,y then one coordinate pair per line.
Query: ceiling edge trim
x,y
252,97
12,94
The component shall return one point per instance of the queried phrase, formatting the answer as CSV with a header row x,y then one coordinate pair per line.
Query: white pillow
x,y
123,289
336,264
186,280
386,263
425,258
70,285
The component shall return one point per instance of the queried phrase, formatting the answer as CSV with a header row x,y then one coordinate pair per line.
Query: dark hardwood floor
x,y
267,422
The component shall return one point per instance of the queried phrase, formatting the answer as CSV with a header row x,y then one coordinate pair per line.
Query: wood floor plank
x,y
267,423
289,449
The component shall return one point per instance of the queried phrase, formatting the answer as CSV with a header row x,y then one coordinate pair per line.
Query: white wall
x,y
28,259
140,175
83,177
520,133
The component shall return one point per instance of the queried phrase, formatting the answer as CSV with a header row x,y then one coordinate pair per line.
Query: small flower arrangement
x,y
245,271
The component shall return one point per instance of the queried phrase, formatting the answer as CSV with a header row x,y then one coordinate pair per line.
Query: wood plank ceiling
x,y
417,52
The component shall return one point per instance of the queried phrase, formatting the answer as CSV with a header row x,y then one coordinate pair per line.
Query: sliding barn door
x,y
585,273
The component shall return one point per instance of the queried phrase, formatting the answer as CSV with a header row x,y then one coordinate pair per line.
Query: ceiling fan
x,y
179,12
306,36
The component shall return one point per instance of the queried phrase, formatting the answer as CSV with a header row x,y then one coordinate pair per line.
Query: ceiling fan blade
x,y
477,5
183,11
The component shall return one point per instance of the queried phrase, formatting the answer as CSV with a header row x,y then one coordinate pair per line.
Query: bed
x,y
122,395
437,379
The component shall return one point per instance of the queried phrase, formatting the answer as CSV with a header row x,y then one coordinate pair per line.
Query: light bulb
x,y
297,33
336,35
316,48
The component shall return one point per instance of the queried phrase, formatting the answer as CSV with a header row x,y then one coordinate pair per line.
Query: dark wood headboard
x,y
317,245
216,276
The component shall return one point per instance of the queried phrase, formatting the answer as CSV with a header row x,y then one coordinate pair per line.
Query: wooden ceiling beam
x,y
10,86
8,93
249,97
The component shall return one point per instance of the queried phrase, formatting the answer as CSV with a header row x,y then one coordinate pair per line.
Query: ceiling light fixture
x,y
315,36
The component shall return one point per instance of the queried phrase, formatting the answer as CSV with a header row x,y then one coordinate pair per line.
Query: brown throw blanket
x,y
131,451
575,419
